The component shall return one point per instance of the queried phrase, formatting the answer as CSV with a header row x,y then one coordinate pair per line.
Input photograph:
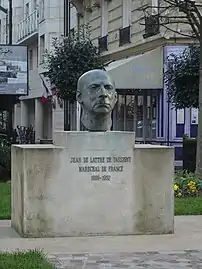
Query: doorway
x,y
138,111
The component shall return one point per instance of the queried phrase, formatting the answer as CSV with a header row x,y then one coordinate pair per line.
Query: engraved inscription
x,y
100,167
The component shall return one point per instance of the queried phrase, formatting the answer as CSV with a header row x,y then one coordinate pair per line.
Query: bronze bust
x,y
97,95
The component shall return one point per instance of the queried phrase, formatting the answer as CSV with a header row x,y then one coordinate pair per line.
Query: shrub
x,y
187,184
5,159
189,154
182,77
69,58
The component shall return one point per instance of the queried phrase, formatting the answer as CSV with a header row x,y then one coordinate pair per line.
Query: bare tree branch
x,y
170,22
192,15
194,27
179,33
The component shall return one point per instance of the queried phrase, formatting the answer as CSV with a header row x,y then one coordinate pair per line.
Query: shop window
x,y
125,113
138,112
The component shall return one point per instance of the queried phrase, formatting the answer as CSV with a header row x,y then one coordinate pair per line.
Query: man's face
x,y
99,95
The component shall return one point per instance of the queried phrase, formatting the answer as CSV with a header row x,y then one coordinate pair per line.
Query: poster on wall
x,y
194,116
180,116
13,69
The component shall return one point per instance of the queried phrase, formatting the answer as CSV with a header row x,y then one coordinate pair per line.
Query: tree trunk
x,y
199,137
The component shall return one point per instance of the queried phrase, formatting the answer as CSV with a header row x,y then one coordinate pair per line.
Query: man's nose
x,y
102,92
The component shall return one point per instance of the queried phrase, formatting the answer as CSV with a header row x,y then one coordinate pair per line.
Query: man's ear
x,y
116,96
79,97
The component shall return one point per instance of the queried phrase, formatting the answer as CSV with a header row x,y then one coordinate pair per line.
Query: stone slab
x,y
100,200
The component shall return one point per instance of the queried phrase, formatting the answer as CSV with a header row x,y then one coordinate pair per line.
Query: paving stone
x,y
139,260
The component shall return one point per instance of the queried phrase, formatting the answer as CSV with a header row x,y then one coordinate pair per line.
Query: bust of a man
x,y
97,95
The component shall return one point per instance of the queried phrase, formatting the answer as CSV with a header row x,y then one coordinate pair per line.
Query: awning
x,y
143,71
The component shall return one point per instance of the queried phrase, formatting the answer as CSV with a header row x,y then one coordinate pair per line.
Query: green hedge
x,y
189,154
5,160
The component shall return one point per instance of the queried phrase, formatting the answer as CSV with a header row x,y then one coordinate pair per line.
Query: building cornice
x,y
141,47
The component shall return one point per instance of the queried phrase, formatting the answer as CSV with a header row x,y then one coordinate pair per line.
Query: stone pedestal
x,y
92,184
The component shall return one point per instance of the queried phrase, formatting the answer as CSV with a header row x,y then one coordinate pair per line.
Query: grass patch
x,y
5,201
188,206
25,260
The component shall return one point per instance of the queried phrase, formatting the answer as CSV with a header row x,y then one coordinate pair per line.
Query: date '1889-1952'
x,y
97,177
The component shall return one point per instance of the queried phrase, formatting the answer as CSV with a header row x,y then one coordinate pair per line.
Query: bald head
x,y
96,93
93,75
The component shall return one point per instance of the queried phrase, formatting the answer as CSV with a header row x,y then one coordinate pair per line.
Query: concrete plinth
x,y
92,184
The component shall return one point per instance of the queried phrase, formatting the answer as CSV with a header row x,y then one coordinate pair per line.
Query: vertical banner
x,y
194,116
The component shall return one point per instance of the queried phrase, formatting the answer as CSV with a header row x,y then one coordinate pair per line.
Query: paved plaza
x,y
154,260
180,250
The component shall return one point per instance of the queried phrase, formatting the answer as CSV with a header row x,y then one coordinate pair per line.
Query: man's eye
x,y
94,86
108,87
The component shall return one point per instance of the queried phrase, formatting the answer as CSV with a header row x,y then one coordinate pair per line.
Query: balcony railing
x,y
28,26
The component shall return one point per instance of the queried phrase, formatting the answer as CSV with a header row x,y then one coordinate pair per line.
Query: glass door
x,y
124,116
146,129
137,112
150,117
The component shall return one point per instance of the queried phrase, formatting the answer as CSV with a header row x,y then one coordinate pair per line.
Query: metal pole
x,y
66,33
66,17
10,41
10,22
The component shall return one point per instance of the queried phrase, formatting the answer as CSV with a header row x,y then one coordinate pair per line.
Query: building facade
x,y
35,24
136,45
133,42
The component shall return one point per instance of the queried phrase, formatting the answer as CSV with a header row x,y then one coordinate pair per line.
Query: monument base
x,y
92,184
